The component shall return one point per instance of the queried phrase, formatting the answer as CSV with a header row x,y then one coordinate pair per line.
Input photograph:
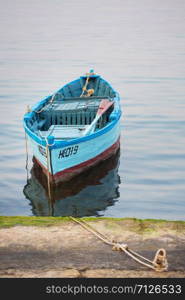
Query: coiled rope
x,y
158,264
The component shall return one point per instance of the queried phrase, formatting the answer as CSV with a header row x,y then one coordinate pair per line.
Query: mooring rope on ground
x,y
159,262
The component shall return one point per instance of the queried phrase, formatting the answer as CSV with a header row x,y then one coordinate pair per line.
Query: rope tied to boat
x,y
27,156
158,264
48,161
49,103
84,88
90,92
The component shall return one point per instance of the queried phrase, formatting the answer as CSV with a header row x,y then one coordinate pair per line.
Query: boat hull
x,y
69,161
87,194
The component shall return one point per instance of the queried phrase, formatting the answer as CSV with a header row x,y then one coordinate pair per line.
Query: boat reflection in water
x,y
87,194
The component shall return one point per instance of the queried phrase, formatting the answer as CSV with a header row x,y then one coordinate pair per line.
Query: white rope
x,y
158,264
117,245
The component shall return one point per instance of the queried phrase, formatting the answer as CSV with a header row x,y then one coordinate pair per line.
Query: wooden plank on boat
x,y
65,131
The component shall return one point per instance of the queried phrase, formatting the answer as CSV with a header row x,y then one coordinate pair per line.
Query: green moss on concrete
x,y
6,221
137,225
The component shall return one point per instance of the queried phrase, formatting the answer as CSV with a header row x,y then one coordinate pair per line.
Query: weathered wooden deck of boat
x,y
57,247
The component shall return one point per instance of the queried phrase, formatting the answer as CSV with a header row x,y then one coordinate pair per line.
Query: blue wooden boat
x,y
75,128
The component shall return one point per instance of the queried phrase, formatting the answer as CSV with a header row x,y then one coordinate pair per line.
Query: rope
x,y
158,264
48,166
85,85
49,103
27,158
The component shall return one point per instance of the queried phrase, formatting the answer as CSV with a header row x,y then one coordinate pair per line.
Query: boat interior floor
x,y
69,118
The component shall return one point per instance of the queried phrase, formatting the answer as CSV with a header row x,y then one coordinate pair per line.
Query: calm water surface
x,y
139,47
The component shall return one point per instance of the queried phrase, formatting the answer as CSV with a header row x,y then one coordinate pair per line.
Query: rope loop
x,y
160,260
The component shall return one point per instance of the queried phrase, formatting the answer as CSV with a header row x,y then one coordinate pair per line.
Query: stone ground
x,y
68,250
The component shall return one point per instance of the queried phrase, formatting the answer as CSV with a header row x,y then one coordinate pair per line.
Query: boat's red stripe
x,y
87,163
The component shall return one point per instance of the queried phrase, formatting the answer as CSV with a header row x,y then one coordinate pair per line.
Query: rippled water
x,y
139,47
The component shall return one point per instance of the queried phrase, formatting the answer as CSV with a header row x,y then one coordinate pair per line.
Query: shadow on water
x,y
87,194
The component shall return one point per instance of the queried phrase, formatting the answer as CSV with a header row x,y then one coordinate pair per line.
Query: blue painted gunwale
x,y
57,143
